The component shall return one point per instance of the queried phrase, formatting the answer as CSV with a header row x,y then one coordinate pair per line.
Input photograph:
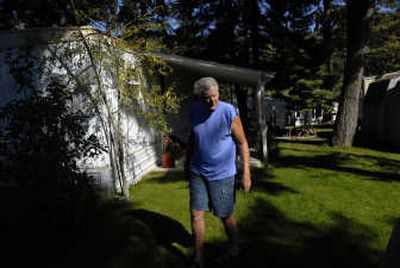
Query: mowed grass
x,y
315,206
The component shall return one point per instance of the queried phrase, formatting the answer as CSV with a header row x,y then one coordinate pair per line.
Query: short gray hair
x,y
204,82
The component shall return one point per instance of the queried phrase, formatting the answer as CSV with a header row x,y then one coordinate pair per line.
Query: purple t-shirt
x,y
214,150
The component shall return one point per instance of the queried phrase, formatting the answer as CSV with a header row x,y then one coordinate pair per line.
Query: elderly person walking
x,y
211,165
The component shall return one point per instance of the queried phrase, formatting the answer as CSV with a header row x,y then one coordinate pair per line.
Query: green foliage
x,y
161,103
133,37
319,90
44,138
383,55
268,53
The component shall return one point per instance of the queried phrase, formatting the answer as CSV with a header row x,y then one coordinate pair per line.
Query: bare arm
x,y
240,137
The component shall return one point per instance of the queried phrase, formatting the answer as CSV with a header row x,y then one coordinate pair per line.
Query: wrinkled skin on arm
x,y
240,137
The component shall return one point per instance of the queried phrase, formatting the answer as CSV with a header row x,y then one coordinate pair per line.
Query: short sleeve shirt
x,y
214,149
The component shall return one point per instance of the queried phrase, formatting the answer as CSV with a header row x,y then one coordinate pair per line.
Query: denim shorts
x,y
217,196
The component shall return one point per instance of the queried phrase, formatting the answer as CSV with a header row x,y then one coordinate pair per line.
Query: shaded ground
x,y
39,233
334,161
36,233
268,242
270,239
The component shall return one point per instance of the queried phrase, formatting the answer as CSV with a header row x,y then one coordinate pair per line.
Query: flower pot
x,y
167,161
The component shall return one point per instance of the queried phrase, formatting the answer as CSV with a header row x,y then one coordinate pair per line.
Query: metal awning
x,y
222,72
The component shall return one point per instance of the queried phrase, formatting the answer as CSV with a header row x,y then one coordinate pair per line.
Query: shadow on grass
x,y
101,234
334,161
115,234
303,141
166,230
392,256
366,155
320,138
270,239
168,176
262,180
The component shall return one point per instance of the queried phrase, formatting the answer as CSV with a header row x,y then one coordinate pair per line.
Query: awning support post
x,y
261,117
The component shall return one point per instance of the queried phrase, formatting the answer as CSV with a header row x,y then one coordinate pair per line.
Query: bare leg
x,y
198,230
232,232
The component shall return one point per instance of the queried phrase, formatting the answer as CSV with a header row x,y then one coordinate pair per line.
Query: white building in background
x,y
335,109
141,144
279,115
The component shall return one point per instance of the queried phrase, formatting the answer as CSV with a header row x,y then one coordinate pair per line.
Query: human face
x,y
210,97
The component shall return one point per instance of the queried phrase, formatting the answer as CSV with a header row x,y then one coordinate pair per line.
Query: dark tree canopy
x,y
304,41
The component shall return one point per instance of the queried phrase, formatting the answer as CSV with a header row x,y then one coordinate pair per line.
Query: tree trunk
x,y
358,24
251,22
121,151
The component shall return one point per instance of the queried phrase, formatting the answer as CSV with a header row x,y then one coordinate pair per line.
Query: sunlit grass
x,y
359,184
312,194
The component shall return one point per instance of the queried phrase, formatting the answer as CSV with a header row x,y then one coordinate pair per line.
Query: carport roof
x,y
222,72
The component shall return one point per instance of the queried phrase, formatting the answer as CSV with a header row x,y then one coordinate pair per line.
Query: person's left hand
x,y
246,181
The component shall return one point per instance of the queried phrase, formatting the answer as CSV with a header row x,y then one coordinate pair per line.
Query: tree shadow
x,y
262,180
392,256
325,135
106,234
320,138
389,165
168,176
334,161
303,141
352,154
270,239
166,230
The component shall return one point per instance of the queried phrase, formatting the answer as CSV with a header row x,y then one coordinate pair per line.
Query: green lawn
x,y
315,206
